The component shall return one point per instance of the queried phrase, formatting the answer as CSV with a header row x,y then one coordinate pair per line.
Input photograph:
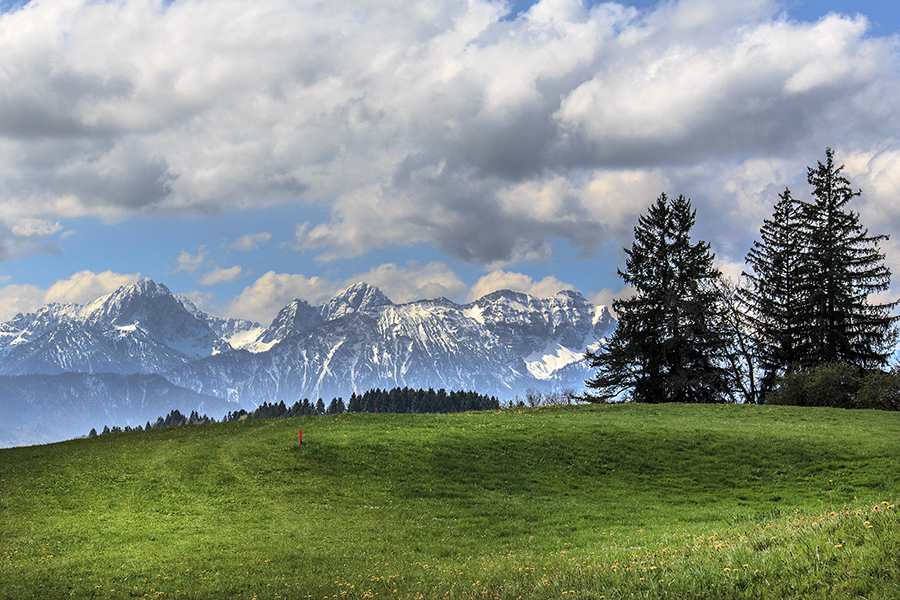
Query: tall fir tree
x,y
814,271
847,267
778,293
666,347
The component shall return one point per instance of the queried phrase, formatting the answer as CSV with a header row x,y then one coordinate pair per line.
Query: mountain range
x,y
501,344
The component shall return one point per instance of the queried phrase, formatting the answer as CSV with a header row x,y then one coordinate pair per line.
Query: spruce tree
x,y
778,291
847,267
666,347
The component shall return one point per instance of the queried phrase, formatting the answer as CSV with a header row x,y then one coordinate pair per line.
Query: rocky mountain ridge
x,y
501,344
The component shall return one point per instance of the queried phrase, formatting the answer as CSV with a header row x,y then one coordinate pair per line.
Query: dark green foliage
x,y
879,389
335,407
846,268
837,385
407,400
778,291
813,273
817,338
397,400
829,384
173,419
668,345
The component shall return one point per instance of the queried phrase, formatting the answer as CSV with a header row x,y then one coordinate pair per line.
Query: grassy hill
x,y
614,501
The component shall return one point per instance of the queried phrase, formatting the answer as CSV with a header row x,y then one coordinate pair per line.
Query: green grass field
x,y
607,501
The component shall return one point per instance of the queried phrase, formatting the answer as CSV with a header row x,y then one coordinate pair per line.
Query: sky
x,y
245,153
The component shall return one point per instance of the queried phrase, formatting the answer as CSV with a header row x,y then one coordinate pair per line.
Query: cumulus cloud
x,y
487,134
517,282
190,262
262,300
220,275
413,281
80,288
24,236
19,298
85,286
271,292
251,241
606,296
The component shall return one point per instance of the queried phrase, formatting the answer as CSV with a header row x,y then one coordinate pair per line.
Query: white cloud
x,y
517,282
731,269
34,228
80,288
85,286
220,275
262,300
413,282
21,236
251,241
16,299
440,122
606,296
190,262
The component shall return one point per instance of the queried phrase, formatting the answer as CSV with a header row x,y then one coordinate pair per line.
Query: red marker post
x,y
301,436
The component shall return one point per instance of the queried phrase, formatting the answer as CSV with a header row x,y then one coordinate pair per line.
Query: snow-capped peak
x,y
357,297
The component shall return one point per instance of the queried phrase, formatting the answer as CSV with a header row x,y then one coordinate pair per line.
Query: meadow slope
x,y
606,501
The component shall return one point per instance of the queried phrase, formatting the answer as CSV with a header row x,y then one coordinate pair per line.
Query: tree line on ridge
x,y
397,400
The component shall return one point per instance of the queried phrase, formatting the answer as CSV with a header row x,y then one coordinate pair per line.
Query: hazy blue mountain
x,y
47,408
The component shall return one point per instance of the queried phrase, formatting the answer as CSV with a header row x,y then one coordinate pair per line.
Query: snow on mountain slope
x,y
141,328
296,317
501,344
239,333
159,313
358,297
415,345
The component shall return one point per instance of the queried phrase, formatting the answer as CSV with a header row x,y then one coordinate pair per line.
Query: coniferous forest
x,y
398,400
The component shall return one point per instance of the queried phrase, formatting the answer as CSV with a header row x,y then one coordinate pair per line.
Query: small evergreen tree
x,y
666,346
